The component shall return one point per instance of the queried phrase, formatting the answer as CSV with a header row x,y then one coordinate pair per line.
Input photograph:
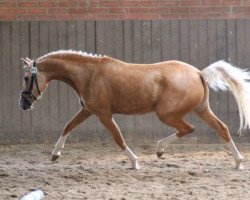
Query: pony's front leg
x,y
110,124
82,115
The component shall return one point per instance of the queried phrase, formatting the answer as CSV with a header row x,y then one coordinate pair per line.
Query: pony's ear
x,y
28,59
28,62
25,62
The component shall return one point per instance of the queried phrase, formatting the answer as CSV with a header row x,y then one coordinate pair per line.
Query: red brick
x,y
169,3
241,9
118,10
129,16
7,17
246,2
199,9
245,15
27,4
202,16
88,17
231,2
238,9
190,16
191,3
129,3
107,17
13,11
211,16
179,10
98,10
92,3
138,10
109,3
169,16
234,15
47,4
37,11
47,17
76,11
220,9
67,3
149,16
211,2
57,11
159,10
7,4
149,3
24,17
66,17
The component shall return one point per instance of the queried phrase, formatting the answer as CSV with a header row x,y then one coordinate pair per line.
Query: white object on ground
x,y
35,195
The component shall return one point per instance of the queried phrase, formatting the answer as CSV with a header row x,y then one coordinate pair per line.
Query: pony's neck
x,y
58,69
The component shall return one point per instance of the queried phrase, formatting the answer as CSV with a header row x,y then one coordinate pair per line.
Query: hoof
x,y
54,157
239,164
159,154
239,167
136,166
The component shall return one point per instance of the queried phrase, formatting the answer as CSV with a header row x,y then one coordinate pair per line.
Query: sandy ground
x,y
101,171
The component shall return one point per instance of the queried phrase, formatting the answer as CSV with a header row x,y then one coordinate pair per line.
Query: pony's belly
x,y
133,109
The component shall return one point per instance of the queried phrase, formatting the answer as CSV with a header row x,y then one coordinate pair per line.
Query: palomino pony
x,y
105,86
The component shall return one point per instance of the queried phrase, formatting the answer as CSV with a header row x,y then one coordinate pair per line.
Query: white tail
x,y
224,76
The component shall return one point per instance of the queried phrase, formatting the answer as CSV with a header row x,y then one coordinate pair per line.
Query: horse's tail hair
x,y
224,76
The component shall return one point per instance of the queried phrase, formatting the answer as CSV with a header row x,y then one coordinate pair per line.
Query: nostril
x,y
25,104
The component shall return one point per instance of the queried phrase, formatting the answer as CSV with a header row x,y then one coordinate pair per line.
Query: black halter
x,y
29,94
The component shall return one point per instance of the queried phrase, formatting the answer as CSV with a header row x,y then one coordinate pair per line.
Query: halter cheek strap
x,y
33,71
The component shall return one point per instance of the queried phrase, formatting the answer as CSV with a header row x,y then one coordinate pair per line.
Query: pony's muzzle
x,y
25,104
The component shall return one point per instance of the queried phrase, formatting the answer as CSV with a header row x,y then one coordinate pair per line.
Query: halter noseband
x,y
29,94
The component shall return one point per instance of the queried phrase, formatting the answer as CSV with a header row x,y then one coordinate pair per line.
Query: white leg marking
x,y
59,145
163,143
132,157
236,154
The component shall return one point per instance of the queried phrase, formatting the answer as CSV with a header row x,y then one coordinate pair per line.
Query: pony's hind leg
x,y
82,115
208,116
183,128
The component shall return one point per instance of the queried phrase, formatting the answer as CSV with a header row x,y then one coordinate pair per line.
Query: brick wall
x,y
122,9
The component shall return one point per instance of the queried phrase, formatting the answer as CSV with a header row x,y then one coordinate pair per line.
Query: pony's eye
x,y
26,78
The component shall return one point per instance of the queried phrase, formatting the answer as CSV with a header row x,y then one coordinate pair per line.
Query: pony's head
x,y
34,83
